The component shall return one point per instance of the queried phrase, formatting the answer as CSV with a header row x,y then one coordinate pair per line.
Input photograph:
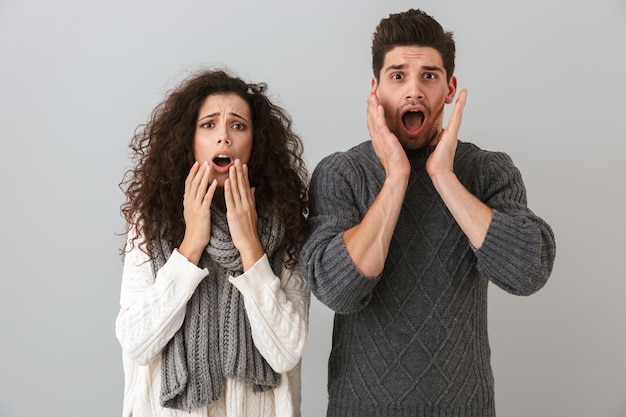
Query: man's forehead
x,y
404,56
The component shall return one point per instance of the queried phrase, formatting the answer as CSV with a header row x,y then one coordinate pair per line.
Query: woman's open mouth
x,y
221,162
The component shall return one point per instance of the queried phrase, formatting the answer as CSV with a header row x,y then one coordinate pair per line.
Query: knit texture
x,y
215,340
413,342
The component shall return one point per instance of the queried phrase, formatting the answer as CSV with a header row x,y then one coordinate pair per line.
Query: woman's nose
x,y
223,139
222,134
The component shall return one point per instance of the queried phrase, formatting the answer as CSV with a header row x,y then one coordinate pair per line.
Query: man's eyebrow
x,y
395,67
432,68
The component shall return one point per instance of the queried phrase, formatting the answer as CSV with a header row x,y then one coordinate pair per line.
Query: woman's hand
x,y
241,214
197,211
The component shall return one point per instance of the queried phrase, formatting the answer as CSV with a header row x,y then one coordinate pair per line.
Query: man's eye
x,y
430,76
396,76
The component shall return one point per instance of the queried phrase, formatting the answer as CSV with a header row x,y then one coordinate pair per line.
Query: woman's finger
x,y
196,181
192,173
208,197
204,181
228,194
242,180
233,186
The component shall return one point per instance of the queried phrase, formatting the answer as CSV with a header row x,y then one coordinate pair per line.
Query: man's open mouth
x,y
413,119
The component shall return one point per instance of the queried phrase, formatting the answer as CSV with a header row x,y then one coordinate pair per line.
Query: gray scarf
x,y
215,340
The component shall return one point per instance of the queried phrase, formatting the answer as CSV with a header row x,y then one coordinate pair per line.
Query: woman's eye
x,y
207,125
239,126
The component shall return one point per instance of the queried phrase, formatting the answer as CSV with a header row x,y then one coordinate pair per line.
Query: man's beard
x,y
420,142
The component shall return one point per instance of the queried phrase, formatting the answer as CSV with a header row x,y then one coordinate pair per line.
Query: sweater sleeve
x,y
152,310
335,202
278,311
519,248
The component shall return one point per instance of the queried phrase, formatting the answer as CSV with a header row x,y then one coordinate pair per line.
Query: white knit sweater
x,y
152,310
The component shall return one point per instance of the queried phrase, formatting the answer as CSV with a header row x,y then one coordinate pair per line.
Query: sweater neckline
x,y
422,153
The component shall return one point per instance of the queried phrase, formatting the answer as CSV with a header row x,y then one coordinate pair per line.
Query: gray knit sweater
x,y
413,342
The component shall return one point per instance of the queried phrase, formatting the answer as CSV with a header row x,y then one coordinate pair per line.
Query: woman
x,y
214,309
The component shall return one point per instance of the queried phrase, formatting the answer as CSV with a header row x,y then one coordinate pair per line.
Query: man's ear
x,y
451,90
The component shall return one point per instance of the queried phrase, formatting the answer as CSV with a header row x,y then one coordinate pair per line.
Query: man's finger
x,y
457,115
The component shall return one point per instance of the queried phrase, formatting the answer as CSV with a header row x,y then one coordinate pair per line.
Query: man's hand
x,y
386,145
471,214
368,242
441,161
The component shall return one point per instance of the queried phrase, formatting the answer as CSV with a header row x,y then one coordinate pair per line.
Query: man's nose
x,y
414,90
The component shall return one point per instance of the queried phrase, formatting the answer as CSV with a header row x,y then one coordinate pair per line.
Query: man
x,y
406,232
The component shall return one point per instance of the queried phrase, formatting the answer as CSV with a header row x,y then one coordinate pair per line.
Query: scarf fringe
x,y
215,340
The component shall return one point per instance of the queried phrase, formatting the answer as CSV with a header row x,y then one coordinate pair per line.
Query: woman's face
x,y
223,134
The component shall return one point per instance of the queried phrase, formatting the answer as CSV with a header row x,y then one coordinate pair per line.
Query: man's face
x,y
413,90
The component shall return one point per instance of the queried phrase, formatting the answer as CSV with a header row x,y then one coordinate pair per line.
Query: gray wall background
x,y
545,83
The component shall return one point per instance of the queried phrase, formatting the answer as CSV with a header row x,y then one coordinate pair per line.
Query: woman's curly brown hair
x,y
162,152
